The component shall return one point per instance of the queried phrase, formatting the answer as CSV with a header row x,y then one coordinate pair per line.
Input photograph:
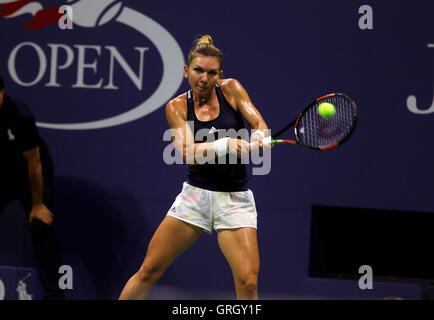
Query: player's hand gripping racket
x,y
325,131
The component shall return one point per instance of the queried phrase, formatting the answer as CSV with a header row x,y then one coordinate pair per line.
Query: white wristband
x,y
221,146
267,141
257,131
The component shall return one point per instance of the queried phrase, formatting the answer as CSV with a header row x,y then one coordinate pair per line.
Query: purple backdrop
x,y
113,187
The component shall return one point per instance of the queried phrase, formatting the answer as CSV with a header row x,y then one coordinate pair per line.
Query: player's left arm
x,y
245,107
34,167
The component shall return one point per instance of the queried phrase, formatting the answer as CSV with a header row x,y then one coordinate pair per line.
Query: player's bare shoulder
x,y
177,107
229,84
231,88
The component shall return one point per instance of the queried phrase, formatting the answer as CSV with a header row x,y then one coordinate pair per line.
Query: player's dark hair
x,y
205,46
2,84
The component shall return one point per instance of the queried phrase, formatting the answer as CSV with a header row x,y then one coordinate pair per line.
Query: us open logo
x,y
76,68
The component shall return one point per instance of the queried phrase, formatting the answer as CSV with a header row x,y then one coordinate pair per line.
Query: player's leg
x,y
235,219
171,238
240,247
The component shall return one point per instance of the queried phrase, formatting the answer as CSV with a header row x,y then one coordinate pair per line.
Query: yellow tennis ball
x,y
326,110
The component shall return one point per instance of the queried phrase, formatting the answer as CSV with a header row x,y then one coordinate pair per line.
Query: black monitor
x,y
398,245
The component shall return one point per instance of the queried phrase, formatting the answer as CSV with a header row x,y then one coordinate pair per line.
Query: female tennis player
x,y
215,195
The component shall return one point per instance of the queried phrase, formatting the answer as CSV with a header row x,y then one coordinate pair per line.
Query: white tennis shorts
x,y
212,209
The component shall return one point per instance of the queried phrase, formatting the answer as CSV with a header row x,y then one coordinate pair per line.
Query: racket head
x,y
317,133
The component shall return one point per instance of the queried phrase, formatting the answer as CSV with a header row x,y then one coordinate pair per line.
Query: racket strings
x,y
315,131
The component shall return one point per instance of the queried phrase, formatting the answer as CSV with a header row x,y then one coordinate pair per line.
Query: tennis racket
x,y
317,133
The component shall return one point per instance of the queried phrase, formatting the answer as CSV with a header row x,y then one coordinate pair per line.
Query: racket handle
x,y
267,142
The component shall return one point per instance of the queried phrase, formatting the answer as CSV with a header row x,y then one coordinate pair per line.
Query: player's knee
x,y
149,273
248,283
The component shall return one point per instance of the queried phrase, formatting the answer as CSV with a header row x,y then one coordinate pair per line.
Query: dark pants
x,y
45,249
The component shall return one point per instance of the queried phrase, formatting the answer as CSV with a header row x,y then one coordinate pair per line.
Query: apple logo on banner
x,y
93,14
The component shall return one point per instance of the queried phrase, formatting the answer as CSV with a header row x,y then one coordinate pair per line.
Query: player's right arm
x,y
182,136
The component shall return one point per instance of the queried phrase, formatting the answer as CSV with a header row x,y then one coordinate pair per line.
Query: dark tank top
x,y
217,177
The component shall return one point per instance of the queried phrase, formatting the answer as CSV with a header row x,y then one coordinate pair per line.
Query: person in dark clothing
x,y
26,175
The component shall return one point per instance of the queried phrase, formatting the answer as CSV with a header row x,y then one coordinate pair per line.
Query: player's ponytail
x,y
204,40
205,46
